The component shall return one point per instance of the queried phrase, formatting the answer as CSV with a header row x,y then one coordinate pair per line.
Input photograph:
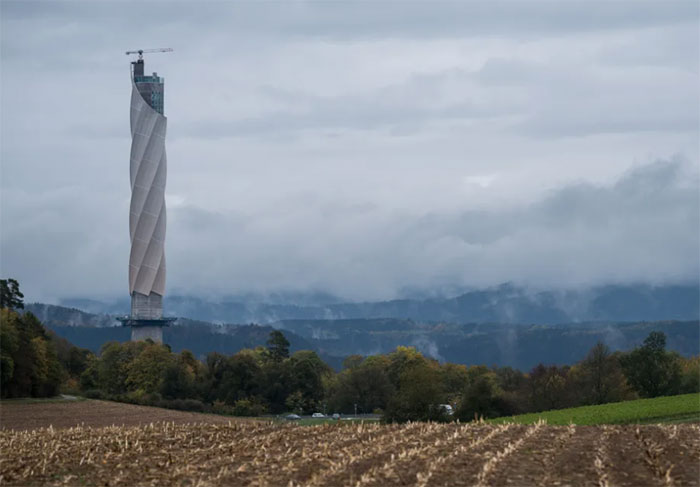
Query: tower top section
x,y
150,87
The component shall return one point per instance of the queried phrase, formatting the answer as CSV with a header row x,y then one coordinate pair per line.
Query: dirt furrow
x,y
631,458
340,442
649,438
283,466
464,461
532,463
572,461
349,459
275,456
496,461
411,465
689,438
343,445
406,439
683,458
439,461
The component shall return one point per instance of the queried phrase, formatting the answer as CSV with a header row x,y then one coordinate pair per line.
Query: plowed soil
x,y
424,454
23,416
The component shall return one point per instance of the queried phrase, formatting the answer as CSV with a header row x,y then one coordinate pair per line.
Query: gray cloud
x,y
352,20
642,228
360,148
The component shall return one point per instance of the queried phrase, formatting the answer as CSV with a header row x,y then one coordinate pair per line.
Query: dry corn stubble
x,y
602,462
490,466
247,453
423,478
654,457
561,441
348,469
336,456
401,467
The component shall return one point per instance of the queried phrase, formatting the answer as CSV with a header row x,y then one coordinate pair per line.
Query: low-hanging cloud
x,y
644,228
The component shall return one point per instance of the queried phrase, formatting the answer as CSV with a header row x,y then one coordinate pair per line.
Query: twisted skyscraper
x,y
147,218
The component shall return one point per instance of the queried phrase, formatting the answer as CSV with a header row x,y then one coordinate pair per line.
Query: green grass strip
x,y
670,409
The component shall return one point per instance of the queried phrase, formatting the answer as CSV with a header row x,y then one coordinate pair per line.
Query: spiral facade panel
x,y
147,210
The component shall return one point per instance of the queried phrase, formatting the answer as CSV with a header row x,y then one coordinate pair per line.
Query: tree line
x,y
34,362
402,385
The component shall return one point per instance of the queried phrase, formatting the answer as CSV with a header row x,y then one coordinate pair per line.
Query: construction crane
x,y
141,51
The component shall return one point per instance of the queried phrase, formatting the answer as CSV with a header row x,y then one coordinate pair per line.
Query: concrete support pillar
x,y
139,333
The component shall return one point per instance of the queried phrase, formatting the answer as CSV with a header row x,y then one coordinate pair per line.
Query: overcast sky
x,y
358,148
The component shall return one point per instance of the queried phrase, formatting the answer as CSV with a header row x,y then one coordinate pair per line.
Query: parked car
x,y
318,415
447,409
293,417
336,416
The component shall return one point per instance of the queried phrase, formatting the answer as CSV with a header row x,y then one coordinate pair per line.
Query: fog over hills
x,y
505,325
521,346
503,304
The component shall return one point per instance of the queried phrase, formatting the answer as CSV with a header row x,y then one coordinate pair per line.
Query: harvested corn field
x,y
256,453
19,415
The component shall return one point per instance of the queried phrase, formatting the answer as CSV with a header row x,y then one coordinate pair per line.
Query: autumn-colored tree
x,y
690,375
145,372
455,379
420,392
113,365
353,361
30,365
401,360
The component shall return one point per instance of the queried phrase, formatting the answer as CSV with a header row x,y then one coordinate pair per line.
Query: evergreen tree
x,y
10,295
278,346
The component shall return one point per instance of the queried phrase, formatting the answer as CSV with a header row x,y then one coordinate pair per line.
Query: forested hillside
x,y
198,337
520,346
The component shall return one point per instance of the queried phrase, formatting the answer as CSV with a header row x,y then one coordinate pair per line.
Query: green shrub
x,y
248,407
